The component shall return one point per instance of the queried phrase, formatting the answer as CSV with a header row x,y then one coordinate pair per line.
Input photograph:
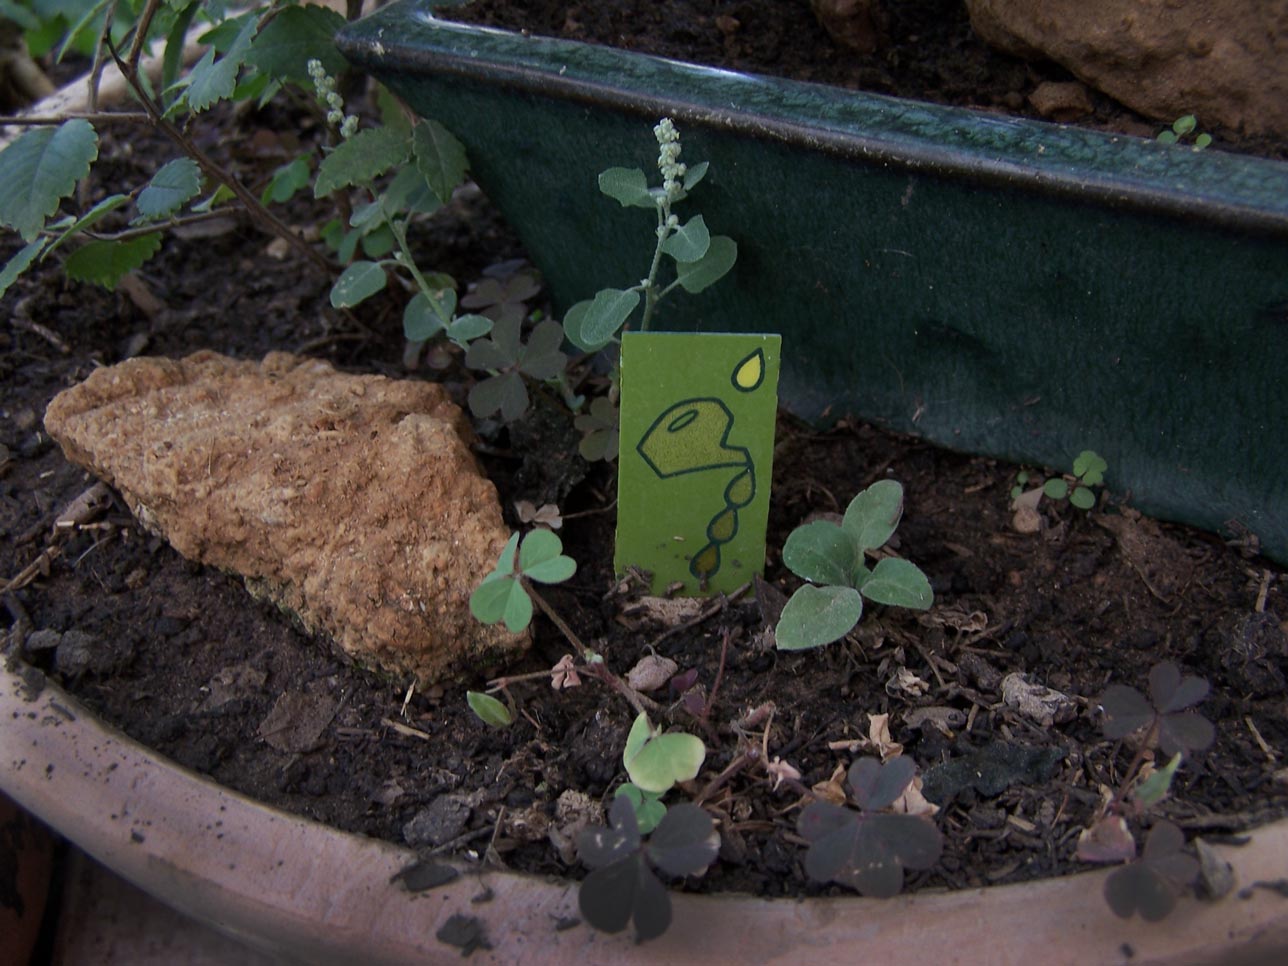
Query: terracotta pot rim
x,y
299,889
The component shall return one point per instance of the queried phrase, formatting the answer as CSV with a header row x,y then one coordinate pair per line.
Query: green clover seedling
x,y
503,594
648,806
656,761
832,558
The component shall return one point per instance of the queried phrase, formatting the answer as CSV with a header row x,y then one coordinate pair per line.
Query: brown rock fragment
x,y
352,501
1225,61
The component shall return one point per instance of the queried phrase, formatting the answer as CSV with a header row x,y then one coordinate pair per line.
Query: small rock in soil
x,y
438,823
297,721
79,652
352,501
990,771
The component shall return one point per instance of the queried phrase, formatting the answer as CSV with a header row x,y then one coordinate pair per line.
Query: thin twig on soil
x,y
720,604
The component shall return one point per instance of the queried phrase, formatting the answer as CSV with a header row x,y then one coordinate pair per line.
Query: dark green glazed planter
x,y
1000,286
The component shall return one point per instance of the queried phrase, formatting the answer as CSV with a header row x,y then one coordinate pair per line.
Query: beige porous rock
x,y
352,501
1225,61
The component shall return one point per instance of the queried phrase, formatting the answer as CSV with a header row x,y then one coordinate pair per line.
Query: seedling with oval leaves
x,y
833,558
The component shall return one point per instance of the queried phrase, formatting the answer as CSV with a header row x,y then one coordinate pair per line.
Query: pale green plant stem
x,y
651,295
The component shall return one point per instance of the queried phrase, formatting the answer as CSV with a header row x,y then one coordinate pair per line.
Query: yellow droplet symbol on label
x,y
750,372
723,526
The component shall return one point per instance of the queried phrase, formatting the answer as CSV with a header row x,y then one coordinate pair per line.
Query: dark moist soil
x,y
182,658
926,51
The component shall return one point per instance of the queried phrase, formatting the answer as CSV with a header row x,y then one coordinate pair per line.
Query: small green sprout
x,y
656,761
503,594
648,806
1088,471
489,709
832,558
1183,127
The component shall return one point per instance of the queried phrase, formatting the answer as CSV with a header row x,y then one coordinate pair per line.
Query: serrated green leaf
x,y
898,583
607,312
358,282
689,242
821,552
211,80
20,263
440,158
874,514
175,183
89,219
361,159
628,187
104,262
711,267
657,761
41,168
816,616
489,709
283,49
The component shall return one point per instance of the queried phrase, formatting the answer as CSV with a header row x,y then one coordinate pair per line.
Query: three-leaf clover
x,y
600,431
1165,714
508,360
503,595
867,850
832,558
1151,884
622,886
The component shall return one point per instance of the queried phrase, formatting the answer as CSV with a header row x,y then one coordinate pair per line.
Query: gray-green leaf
x,y
711,267
359,281
821,552
41,168
816,616
898,583
873,515
20,263
440,157
607,312
295,36
104,262
176,182
689,242
361,159
627,186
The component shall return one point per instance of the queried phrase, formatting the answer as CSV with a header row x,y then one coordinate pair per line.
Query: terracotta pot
x,y
26,860
1000,286
311,894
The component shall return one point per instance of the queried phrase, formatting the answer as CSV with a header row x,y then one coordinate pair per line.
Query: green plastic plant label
x,y
696,458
